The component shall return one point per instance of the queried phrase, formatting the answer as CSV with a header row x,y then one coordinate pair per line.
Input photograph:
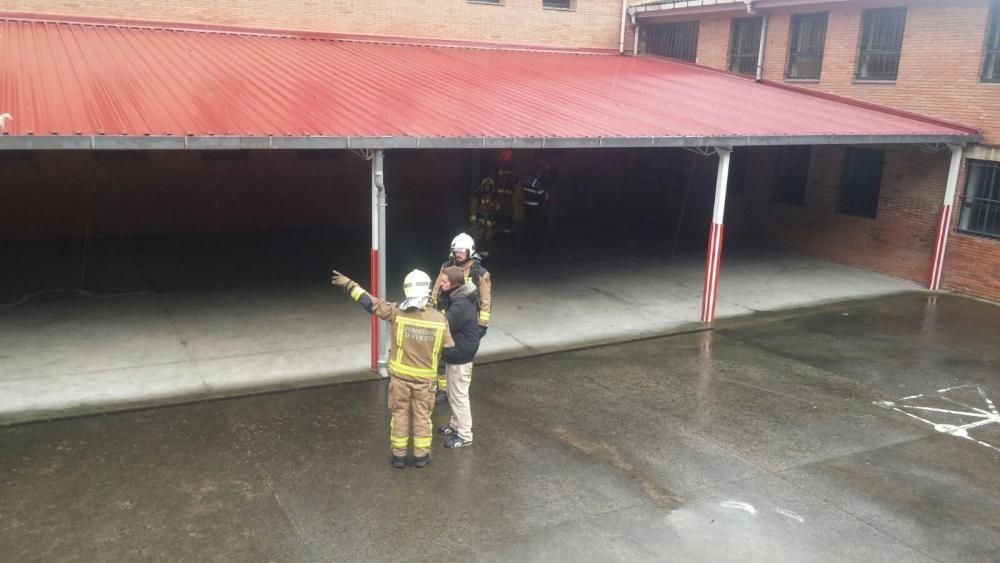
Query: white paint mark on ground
x,y
970,419
739,506
791,514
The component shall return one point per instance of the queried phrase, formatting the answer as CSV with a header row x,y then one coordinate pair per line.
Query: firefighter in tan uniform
x,y
419,334
463,255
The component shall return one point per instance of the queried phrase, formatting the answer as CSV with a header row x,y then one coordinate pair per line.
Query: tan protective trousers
x,y
459,380
405,394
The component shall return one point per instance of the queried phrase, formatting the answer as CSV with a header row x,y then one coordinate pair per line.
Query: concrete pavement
x,y
225,316
778,437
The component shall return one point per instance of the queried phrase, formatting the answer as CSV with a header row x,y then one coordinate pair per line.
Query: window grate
x,y
881,44
991,59
980,213
805,48
675,40
860,182
744,45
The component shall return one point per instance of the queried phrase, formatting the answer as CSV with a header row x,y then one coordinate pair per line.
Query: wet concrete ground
x,y
805,436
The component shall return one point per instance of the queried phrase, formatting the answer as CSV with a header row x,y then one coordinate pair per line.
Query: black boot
x,y
399,462
421,462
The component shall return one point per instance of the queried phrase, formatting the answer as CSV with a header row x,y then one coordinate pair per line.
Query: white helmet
x,y
463,242
417,285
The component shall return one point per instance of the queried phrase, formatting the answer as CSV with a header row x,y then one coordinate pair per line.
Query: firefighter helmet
x,y
417,284
463,242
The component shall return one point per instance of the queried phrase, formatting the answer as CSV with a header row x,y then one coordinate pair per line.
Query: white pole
x,y
944,221
635,41
760,50
378,177
713,258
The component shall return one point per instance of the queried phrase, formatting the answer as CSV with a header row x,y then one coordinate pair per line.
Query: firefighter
x,y
463,254
483,209
420,336
536,198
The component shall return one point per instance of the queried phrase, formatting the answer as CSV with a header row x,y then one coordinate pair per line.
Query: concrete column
x,y
713,259
944,221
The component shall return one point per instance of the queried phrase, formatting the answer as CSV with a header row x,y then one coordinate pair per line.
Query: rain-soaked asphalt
x,y
855,432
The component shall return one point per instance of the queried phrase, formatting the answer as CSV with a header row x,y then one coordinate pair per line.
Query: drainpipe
x,y
635,41
763,39
621,37
379,328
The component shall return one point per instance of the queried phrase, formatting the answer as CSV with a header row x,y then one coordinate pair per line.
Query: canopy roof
x,y
101,85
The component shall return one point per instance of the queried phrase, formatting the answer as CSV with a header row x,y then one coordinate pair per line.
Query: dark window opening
x,y
980,214
791,175
560,4
881,44
991,61
805,46
675,40
744,45
737,171
860,182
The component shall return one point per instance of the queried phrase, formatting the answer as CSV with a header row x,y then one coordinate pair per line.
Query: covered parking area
x,y
125,143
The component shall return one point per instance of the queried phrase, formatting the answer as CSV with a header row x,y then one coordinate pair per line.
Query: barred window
x,y
991,62
860,182
744,45
881,44
677,40
980,213
805,47
560,4
791,175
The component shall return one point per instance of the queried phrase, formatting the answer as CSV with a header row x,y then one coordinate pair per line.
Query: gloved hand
x,y
340,280
482,331
441,366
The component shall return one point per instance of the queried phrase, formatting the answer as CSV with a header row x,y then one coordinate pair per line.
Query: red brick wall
x,y
898,242
591,24
939,66
939,71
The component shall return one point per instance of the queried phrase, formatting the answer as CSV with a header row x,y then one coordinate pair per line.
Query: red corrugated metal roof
x,y
87,79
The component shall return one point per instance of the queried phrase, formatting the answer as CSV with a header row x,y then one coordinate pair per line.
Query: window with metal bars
x,y
791,175
558,4
881,44
805,46
744,45
991,60
860,182
677,40
980,214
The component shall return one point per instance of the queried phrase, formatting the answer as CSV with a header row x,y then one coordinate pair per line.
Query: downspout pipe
x,y
760,53
378,181
621,36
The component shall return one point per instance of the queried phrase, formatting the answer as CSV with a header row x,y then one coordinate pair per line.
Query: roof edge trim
x,y
124,142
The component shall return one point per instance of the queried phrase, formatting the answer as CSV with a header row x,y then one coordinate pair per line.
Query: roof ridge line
x,y
242,31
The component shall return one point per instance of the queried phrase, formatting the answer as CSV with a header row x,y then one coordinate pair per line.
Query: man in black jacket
x,y
463,321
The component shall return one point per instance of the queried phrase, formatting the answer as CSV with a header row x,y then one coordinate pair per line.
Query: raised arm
x,y
375,306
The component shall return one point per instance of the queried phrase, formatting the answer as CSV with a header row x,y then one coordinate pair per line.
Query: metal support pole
x,y
713,259
944,221
373,265
383,340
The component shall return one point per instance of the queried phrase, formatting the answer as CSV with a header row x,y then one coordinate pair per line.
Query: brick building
x,y
934,57
802,198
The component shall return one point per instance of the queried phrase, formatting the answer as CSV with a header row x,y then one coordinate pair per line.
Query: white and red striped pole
x,y
944,221
373,265
712,261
